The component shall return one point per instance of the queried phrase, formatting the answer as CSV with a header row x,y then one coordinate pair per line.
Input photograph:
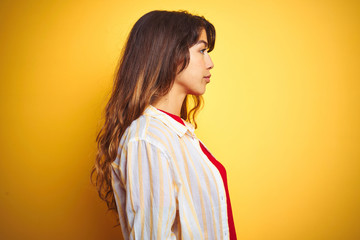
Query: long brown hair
x,y
157,49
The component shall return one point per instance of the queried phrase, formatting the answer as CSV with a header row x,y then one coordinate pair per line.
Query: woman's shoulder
x,y
150,129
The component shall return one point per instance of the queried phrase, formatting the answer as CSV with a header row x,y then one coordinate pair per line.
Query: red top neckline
x,y
176,117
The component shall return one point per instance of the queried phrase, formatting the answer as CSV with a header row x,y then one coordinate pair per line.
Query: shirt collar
x,y
170,122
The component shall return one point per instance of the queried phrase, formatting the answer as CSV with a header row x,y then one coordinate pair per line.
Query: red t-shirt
x,y
220,167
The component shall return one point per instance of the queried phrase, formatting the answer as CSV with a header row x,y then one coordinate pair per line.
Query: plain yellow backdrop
x,y
282,114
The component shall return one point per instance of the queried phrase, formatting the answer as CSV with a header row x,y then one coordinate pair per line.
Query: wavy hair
x,y
156,50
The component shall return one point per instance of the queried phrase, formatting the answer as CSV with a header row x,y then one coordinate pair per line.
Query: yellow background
x,y
282,114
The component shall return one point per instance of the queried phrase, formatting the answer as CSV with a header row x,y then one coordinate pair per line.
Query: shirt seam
x,y
160,147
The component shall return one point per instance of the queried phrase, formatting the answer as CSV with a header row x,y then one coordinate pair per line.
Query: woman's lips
x,y
207,78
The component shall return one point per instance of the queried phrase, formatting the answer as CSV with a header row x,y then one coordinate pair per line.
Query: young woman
x,y
150,167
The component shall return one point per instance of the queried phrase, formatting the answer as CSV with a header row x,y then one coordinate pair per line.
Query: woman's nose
x,y
209,63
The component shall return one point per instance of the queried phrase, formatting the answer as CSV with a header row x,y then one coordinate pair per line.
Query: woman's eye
x,y
203,50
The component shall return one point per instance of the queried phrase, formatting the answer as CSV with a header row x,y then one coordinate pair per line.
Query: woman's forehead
x,y
202,38
203,35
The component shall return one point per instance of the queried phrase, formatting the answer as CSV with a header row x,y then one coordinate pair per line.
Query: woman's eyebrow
x,y
202,41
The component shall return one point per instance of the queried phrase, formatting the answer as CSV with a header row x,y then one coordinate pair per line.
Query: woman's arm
x,y
146,202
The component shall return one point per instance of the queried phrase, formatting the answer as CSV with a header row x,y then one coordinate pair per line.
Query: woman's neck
x,y
170,103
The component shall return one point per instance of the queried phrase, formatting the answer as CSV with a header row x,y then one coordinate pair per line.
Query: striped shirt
x,y
221,169
165,187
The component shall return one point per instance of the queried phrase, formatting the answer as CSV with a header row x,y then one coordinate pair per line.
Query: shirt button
x,y
222,198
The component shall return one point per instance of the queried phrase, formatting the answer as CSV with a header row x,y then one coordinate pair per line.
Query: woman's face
x,y
193,79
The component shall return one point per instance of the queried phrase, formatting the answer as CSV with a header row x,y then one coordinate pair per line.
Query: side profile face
x,y
193,79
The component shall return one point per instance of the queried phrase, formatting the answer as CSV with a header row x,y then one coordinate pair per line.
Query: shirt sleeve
x,y
145,195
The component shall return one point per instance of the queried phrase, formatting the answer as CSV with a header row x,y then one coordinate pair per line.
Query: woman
x,y
150,167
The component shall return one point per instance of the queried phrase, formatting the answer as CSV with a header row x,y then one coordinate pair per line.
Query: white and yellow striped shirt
x,y
165,187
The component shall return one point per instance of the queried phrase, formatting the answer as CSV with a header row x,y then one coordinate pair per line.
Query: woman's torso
x,y
198,209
